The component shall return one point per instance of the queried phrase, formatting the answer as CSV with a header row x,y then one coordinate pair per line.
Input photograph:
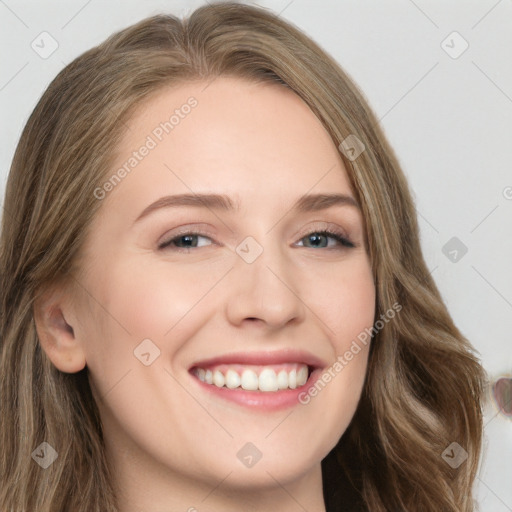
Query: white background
x,y
449,120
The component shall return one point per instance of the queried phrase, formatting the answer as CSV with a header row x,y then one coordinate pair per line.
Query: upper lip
x,y
263,358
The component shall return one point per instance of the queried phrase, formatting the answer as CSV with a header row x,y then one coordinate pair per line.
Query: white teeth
x,y
292,379
268,379
218,379
249,380
282,379
232,379
302,376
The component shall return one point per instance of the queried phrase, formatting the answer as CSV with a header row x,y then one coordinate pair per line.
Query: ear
x,y
53,312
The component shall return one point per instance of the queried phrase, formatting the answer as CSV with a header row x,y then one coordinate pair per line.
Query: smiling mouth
x,y
262,378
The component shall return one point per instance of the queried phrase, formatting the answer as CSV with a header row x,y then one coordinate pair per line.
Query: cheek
x,y
153,300
144,301
345,301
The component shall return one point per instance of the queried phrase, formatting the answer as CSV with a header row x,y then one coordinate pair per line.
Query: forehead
x,y
229,136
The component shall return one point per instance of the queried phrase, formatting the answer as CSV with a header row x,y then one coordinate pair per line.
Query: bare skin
x,y
173,446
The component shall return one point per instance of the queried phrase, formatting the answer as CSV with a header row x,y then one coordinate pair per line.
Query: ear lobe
x,y
56,335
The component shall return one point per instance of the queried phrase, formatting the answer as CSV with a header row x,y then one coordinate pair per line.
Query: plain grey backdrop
x,y
438,75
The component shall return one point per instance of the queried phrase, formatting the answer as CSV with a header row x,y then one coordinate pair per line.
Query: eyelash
x,y
338,236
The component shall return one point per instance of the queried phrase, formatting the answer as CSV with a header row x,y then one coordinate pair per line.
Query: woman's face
x,y
246,289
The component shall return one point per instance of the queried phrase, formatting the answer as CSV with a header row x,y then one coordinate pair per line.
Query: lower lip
x,y
261,400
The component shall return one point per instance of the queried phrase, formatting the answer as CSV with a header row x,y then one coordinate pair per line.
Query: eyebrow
x,y
305,203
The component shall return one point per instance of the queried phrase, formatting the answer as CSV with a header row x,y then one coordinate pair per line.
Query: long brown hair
x,y
423,386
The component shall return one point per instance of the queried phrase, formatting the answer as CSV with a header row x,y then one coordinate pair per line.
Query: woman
x,y
213,292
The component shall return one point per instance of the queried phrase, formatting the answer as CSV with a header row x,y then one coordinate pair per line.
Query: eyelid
x,y
329,228
318,226
185,230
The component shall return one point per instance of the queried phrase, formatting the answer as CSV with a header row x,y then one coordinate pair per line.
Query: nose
x,y
264,291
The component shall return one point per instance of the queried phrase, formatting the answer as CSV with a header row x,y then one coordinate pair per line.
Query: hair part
x,y
424,383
